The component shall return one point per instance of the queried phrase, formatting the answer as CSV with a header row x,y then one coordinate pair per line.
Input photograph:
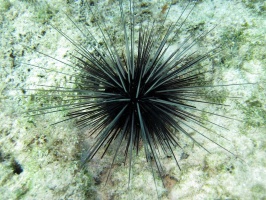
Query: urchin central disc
x,y
134,100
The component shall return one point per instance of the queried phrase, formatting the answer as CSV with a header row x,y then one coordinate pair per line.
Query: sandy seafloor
x,y
38,161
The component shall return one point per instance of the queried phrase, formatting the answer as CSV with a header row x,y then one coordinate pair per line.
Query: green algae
x,y
5,5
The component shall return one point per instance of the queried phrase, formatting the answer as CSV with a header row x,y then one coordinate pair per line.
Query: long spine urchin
x,y
138,96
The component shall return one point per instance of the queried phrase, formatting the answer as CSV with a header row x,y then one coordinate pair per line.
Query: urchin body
x,y
138,97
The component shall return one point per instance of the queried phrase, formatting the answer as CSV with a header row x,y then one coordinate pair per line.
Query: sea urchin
x,y
141,95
